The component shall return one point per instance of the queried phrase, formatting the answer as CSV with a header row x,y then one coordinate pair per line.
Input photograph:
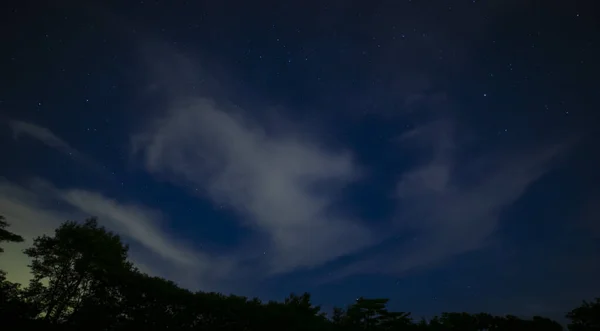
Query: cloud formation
x,y
281,185
39,208
452,204
285,187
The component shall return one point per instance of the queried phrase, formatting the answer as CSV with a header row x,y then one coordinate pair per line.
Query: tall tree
x,y
77,263
585,317
5,235
370,314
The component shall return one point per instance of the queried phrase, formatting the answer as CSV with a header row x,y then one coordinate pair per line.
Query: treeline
x,y
82,280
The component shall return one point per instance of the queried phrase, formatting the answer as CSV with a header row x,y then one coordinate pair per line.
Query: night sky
x,y
439,153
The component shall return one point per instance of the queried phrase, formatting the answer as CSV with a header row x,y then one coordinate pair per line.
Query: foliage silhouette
x,y
5,235
82,280
585,317
78,264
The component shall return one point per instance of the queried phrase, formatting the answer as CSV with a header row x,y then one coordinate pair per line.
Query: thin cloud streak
x,y
48,138
39,208
138,223
42,134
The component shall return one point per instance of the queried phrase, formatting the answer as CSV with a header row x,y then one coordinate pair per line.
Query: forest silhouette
x,y
82,280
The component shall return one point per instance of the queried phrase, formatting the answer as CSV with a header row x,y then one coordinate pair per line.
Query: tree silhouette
x,y
5,235
585,317
370,314
77,263
82,280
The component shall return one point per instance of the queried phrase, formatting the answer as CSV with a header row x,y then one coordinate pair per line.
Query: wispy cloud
x,y
451,204
50,139
138,223
42,134
281,185
40,207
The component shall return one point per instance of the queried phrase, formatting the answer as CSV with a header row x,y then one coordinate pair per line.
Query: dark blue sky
x,y
439,153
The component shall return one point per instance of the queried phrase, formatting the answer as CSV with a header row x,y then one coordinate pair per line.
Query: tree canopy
x,y
82,280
